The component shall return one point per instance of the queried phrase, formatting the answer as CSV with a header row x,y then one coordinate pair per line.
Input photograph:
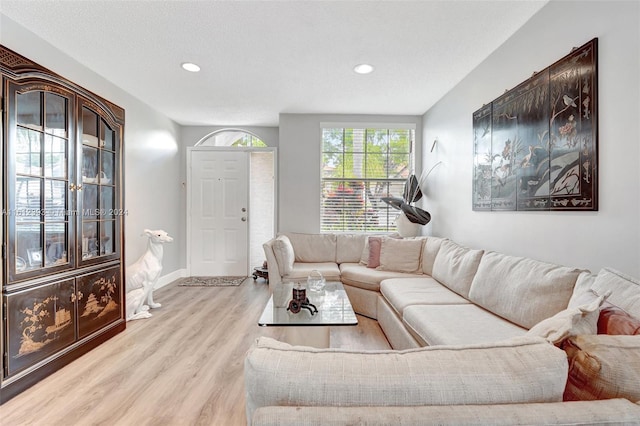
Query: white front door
x,y
219,217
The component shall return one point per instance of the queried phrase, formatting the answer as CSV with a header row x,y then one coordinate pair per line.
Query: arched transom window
x,y
231,137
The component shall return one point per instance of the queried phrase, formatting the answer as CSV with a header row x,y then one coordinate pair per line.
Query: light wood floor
x,y
183,366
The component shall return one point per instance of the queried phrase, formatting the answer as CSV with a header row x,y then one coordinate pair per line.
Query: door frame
x,y
248,150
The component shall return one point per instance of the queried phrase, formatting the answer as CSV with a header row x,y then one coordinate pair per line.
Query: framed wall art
x,y
536,146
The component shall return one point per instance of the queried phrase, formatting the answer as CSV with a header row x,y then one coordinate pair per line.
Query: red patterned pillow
x,y
614,320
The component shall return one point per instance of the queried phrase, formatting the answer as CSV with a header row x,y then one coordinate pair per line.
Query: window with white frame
x,y
360,165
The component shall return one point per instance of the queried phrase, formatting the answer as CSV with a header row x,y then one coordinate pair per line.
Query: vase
x,y
406,228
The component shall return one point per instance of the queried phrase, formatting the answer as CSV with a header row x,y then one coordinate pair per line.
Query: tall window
x,y
359,166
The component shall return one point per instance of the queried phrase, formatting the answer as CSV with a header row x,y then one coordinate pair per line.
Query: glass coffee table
x,y
302,328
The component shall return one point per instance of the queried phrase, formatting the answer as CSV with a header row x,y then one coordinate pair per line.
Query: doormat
x,y
210,281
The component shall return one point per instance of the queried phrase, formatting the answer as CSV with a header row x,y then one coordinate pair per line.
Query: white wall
x,y
152,159
299,165
609,237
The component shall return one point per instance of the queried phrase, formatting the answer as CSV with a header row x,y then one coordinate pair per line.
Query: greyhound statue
x,y
142,276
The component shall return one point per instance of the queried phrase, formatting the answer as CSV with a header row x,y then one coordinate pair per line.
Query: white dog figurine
x,y
141,277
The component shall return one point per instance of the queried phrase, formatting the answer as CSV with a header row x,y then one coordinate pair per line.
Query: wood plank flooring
x,y
183,366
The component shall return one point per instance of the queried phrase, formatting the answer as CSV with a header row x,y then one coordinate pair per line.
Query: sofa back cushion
x,y
625,291
283,251
429,252
314,248
455,266
400,255
349,247
522,290
276,373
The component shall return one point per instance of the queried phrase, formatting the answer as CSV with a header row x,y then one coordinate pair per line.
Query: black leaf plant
x,y
410,195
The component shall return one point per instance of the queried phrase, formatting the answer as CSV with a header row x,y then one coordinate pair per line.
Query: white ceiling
x,y
262,58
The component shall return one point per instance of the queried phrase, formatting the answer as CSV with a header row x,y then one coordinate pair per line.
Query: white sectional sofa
x,y
426,290
463,324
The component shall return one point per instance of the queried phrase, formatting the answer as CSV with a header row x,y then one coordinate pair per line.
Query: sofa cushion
x,y
457,324
349,247
429,252
625,291
283,251
313,247
518,371
403,292
455,266
614,320
358,275
522,290
602,367
570,322
301,270
400,255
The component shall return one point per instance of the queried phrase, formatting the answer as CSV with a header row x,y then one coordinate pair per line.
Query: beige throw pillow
x,y
283,251
570,322
364,258
400,255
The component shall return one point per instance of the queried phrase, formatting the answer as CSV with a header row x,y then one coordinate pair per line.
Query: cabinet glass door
x,y
99,168
39,182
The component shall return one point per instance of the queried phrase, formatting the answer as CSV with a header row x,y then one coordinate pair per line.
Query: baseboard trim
x,y
170,277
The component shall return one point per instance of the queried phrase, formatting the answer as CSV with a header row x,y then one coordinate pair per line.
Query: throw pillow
x,y
614,320
283,251
364,258
602,367
400,255
570,322
375,244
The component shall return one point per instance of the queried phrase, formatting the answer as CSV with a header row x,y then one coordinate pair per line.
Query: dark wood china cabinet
x,y
62,222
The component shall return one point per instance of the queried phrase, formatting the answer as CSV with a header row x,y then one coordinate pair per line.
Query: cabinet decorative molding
x,y
62,225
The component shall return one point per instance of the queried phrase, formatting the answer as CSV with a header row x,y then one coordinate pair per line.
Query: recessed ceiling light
x,y
190,67
363,68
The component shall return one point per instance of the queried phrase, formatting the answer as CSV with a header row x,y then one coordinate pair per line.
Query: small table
x,y
334,309
261,272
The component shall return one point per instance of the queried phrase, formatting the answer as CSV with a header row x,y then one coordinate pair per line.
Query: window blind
x,y
360,165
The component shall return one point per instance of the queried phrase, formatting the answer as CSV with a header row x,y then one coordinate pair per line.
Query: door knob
x,y
243,210
244,219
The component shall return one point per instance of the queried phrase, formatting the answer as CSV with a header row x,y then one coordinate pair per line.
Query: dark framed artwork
x,y
536,146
